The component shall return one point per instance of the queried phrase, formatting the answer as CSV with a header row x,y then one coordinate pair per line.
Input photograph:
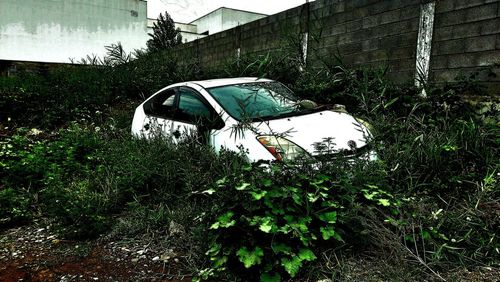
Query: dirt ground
x,y
35,253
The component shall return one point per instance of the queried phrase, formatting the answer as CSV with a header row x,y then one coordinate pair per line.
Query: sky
x,y
186,11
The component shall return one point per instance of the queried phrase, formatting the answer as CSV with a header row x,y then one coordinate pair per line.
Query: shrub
x,y
272,221
14,206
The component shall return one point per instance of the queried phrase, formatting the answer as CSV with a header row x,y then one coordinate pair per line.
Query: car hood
x,y
309,130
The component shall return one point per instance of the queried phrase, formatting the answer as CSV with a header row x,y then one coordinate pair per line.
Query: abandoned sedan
x,y
261,116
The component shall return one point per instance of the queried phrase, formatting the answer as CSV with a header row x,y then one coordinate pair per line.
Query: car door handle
x,y
176,134
146,126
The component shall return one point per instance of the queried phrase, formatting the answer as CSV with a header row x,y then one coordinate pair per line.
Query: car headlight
x,y
283,149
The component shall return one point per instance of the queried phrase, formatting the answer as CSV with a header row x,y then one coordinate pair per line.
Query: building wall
x,y
371,33
56,30
211,22
223,19
232,18
189,32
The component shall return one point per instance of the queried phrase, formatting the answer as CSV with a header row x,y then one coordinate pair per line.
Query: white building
x,y
56,31
216,21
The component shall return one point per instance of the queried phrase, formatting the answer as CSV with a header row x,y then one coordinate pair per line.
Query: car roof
x,y
228,81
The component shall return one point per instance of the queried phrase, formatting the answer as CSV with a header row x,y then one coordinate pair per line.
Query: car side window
x,y
191,106
161,105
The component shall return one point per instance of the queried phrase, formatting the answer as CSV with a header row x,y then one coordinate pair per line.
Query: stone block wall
x,y
363,33
368,33
466,41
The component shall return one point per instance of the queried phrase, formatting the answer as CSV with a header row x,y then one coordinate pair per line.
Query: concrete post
x,y
304,30
237,30
424,45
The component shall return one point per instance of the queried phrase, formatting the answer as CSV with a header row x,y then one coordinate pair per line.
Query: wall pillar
x,y
424,44
304,34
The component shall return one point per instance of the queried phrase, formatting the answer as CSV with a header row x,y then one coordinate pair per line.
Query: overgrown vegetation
x,y
430,204
165,36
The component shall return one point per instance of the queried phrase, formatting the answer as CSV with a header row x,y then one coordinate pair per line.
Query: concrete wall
x,y
371,33
467,41
57,30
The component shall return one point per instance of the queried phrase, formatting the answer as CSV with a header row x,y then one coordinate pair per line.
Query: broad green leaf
x,y
313,236
255,220
312,197
224,221
209,191
327,232
281,248
249,258
320,179
297,199
242,186
266,277
409,238
292,265
247,167
329,217
369,195
221,182
426,235
285,229
266,225
214,250
303,222
298,223
329,204
384,202
307,254
258,195
267,182
219,261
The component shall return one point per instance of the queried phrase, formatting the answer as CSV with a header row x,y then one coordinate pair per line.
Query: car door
x,y
160,112
192,114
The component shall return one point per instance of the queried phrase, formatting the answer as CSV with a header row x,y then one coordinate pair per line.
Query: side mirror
x,y
338,108
307,104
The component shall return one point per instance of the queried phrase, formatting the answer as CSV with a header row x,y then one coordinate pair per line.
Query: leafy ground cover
x,y
429,208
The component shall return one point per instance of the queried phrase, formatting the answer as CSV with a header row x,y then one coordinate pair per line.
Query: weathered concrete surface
x,y
57,30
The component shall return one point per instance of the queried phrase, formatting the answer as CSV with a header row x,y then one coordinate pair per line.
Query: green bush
x,y
14,206
271,221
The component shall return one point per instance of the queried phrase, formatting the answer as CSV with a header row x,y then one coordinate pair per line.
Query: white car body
x,y
304,130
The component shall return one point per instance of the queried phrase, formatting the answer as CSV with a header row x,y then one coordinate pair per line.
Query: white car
x,y
261,116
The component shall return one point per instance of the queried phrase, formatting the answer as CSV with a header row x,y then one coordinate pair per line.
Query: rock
x,y
156,258
175,228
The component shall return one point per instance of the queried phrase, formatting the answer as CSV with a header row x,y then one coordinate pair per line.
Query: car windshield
x,y
257,100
